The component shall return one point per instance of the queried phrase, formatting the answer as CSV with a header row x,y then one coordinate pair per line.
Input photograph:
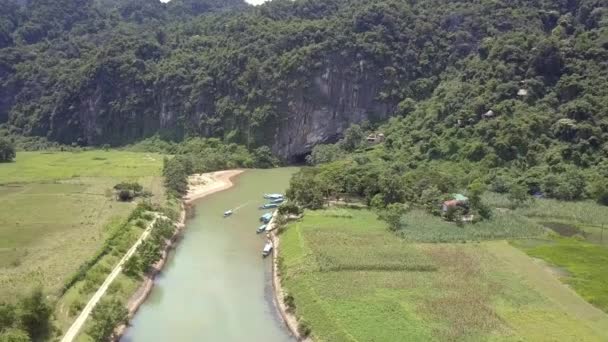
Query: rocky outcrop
x,y
337,98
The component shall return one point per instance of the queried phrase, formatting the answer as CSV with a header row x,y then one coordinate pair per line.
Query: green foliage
x,y
518,196
106,316
8,316
7,151
289,208
325,153
305,190
35,314
132,267
353,138
392,215
14,335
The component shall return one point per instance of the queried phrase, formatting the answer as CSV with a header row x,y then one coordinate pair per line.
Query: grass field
x,y
352,280
56,209
584,265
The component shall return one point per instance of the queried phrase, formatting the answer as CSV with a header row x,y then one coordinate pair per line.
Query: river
x,y
217,286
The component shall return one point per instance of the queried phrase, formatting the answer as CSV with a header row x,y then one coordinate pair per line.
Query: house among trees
x,y
375,138
488,115
458,200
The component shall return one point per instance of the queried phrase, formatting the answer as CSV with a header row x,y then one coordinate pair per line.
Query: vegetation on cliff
x,y
489,82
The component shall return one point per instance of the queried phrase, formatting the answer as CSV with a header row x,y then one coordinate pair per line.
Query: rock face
x,y
336,99
114,108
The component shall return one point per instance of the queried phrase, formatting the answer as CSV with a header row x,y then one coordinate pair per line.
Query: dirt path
x,y
200,186
545,281
86,312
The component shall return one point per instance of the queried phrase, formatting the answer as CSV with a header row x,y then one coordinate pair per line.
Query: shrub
x,y
392,215
290,302
7,151
304,328
290,208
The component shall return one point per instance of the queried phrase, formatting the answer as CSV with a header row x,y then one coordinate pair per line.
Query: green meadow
x,y
350,279
58,208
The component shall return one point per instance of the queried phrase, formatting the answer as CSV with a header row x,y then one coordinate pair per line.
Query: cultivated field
x,y
352,280
57,209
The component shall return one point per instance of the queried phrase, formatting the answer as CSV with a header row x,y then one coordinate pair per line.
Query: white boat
x,y
273,196
228,213
267,249
261,229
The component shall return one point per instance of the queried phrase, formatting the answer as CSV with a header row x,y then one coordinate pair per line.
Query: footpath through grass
x,y
352,280
58,208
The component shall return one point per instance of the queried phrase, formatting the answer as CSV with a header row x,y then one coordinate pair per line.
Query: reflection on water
x,y
217,287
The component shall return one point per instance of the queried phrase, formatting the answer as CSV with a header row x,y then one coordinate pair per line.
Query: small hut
x,y
488,115
375,138
458,200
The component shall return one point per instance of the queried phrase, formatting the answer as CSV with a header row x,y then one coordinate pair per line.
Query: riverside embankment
x,y
200,185
216,286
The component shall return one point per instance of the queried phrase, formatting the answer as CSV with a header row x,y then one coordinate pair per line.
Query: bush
x,y
105,318
290,303
7,151
289,209
392,215
304,329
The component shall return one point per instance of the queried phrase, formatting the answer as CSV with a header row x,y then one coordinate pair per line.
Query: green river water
x,y
217,286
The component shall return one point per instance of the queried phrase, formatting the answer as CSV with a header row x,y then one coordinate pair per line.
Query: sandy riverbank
x,y
199,186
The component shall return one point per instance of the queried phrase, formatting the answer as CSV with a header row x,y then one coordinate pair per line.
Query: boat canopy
x,y
273,196
266,217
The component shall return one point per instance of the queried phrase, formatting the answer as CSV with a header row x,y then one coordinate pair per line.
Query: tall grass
x,y
421,226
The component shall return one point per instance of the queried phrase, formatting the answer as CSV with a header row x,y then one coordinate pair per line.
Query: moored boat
x,y
278,200
267,249
266,217
269,206
261,229
273,196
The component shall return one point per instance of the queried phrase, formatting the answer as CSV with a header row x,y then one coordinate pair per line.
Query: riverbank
x,y
289,318
199,186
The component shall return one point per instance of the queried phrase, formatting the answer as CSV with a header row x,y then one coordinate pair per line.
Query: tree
x,y
133,266
518,195
392,215
35,313
263,158
7,316
105,318
7,151
431,199
353,138
305,190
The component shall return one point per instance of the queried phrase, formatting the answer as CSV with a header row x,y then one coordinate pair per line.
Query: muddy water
x,y
217,286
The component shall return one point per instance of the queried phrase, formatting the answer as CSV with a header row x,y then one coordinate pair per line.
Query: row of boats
x,y
275,200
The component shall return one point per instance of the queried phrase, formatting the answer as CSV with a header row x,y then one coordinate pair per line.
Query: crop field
x,y
353,280
420,226
57,209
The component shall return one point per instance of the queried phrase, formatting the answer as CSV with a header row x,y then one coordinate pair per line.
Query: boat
x,y
278,200
261,229
273,196
266,217
267,249
269,206
228,213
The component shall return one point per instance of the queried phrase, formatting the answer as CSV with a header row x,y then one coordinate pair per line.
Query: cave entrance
x,y
299,159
